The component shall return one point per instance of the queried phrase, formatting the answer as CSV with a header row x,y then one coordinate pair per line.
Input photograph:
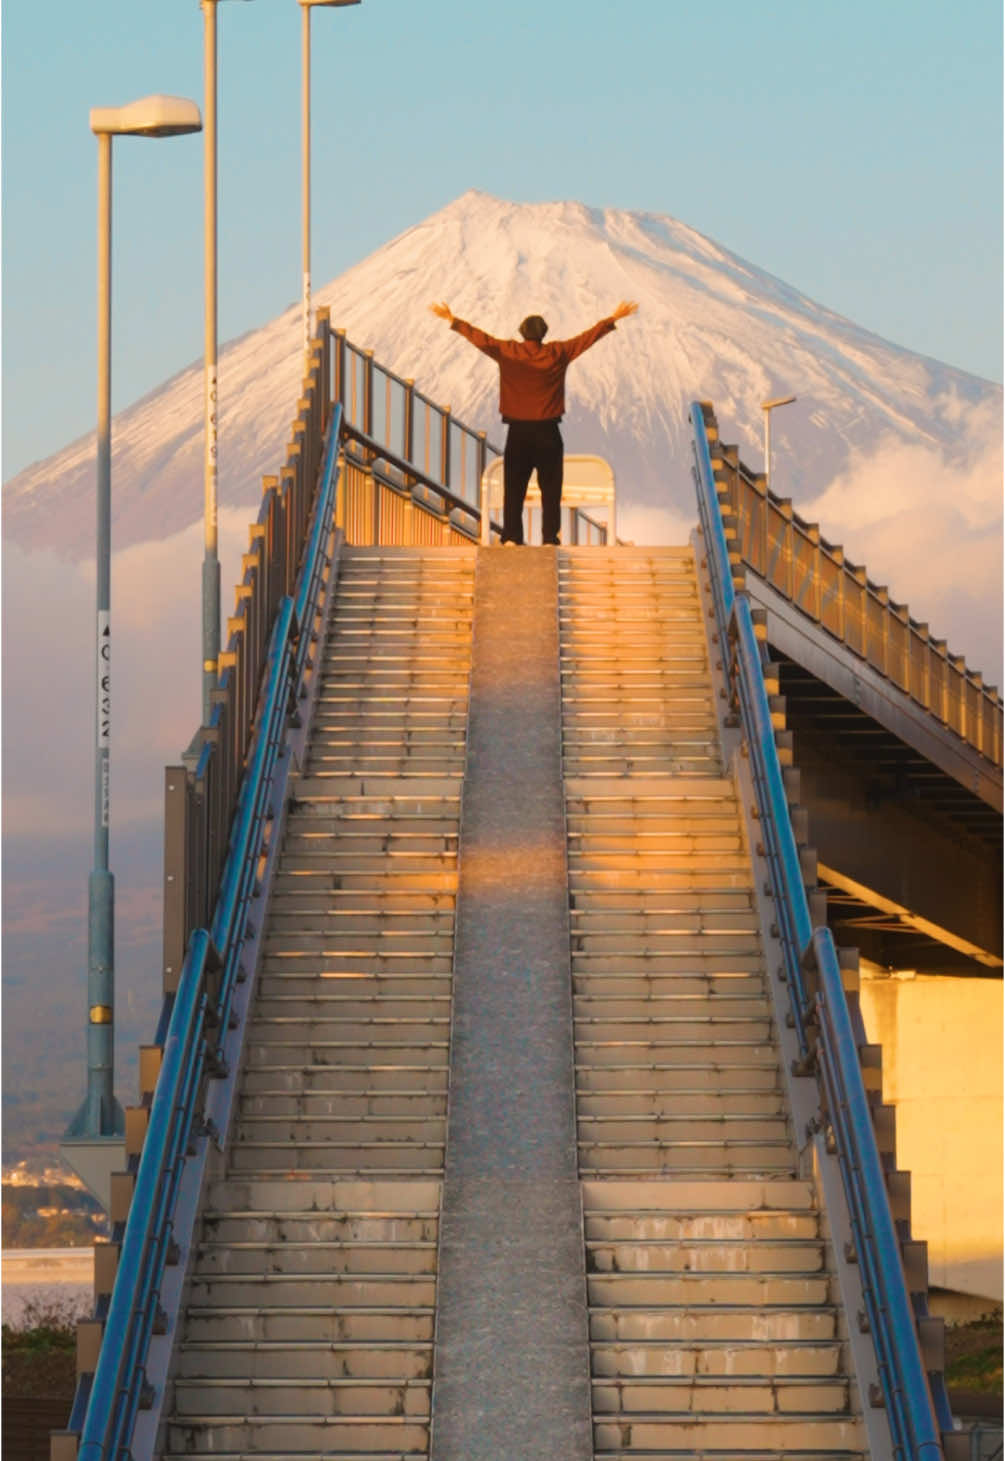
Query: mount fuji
x,y
710,325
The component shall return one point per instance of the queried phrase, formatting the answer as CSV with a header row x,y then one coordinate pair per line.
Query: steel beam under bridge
x,y
904,814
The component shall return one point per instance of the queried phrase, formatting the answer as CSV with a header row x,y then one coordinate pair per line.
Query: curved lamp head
x,y
309,4
151,116
779,401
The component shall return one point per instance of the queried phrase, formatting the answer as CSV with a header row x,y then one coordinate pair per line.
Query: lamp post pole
x,y
305,150
211,560
767,407
100,1120
102,1117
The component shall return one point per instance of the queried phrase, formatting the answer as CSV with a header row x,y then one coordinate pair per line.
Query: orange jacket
x,y
532,374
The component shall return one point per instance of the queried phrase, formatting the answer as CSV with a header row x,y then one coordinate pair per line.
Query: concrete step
x,y
754,1253
339,861
667,1051
600,1008
302,1436
408,1159
634,821
681,1105
289,981
353,1076
640,988
252,1360
640,906
281,1323
747,1454
760,1226
650,844
350,1005
734,1436
320,912
655,1027
319,1398
367,1130
401,881
402,1030
659,1077
408,1106
739,1127
702,1322
331,938
375,1231
692,860
800,1359
733,1159
689,962
312,1256
393,767
356,965
670,1290
339,1291
341,1197
711,1395
292,893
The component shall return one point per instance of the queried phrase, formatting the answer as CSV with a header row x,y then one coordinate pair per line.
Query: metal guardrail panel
x,y
789,554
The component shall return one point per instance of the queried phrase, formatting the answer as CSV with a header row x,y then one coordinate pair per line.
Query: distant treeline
x,y
50,1216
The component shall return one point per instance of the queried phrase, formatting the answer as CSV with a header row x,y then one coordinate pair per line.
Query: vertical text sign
x,y
104,704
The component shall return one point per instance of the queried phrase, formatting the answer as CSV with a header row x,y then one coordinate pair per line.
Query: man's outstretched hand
x,y
443,311
625,308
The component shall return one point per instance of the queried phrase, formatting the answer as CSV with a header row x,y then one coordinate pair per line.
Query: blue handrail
x,y
906,1393
119,1385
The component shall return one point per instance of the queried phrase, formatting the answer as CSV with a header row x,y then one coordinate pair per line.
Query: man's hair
x,y
534,328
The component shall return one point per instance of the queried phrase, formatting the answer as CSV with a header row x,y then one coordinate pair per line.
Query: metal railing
x,y
215,832
790,555
199,807
819,1007
411,453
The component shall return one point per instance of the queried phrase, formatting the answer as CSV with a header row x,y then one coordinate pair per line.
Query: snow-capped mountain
x,y
709,325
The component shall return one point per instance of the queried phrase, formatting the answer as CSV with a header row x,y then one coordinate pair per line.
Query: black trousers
x,y
530,445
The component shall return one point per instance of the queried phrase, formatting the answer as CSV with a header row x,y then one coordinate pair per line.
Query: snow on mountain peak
x,y
710,326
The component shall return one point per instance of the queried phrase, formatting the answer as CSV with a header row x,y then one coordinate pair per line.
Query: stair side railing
x,y
221,811
791,556
414,469
827,1040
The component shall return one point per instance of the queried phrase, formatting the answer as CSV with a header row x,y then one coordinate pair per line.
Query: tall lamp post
x,y
767,407
306,6
211,561
91,1144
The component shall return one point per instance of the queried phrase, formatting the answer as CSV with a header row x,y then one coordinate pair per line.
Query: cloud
x,y
931,530
48,677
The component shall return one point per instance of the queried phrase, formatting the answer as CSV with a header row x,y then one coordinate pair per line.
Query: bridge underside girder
x,y
911,858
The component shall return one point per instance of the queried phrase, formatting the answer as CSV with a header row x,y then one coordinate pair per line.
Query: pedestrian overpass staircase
x,y
510,1098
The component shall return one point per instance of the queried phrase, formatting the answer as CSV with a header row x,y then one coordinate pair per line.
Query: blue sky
x,y
854,149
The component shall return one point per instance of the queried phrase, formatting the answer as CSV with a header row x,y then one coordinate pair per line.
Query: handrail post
x,y
408,423
339,382
445,447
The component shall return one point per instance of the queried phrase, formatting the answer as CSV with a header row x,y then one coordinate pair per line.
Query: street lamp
x,y
100,1117
767,407
306,6
211,561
